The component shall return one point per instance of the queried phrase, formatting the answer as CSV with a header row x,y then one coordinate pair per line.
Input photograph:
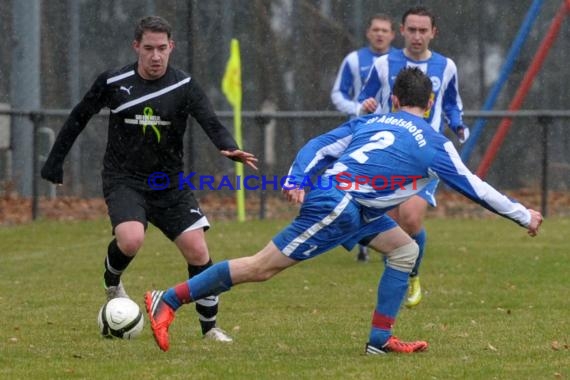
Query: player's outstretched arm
x,y
52,170
449,167
91,104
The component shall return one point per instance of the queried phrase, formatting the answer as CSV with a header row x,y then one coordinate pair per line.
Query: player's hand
x,y
294,195
368,106
54,174
239,155
462,132
535,222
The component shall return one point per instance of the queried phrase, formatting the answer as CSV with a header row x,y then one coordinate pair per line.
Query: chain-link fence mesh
x,y
291,50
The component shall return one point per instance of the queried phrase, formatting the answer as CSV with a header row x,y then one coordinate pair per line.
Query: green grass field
x,y
496,307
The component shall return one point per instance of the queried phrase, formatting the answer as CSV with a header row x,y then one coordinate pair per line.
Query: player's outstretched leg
x,y
162,305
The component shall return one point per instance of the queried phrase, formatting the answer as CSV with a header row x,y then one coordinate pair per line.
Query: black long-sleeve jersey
x,y
146,123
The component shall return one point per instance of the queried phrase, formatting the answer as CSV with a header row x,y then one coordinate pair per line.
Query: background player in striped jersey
x,y
356,65
354,70
150,102
418,29
395,145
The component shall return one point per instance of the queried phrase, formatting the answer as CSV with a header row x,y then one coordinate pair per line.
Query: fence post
x,y
36,119
545,122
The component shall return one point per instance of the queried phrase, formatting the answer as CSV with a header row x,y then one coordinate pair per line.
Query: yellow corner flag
x,y
231,87
231,84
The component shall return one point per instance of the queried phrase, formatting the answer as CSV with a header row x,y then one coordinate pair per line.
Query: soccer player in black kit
x,y
150,102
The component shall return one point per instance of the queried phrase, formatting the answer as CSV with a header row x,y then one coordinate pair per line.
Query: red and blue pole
x,y
506,69
523,89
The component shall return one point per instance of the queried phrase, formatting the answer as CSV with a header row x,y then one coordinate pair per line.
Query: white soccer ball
x,y
120,318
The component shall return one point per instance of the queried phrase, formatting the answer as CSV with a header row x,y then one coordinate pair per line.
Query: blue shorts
x,y
428,192
327,219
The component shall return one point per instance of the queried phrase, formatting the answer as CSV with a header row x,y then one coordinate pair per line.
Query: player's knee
x,y
130,244
403,258
411,223
194,251
196,258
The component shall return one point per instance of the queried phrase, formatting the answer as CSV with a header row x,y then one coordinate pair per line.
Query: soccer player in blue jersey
x,y
354,70
418,29
379,162
356,65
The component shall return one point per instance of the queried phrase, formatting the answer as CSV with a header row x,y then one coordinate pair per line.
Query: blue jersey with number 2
x,y
378,161
382,160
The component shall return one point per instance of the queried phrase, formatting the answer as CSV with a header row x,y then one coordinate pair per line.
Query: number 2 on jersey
x,y
380,140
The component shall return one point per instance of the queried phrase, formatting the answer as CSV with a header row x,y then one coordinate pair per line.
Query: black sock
x,y
115,263
207,308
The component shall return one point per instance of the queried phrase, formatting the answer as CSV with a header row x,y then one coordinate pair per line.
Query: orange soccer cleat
x,y
396,345
161,316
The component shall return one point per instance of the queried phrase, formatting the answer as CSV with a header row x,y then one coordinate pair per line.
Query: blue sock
x,y
212,281
391,292
420,238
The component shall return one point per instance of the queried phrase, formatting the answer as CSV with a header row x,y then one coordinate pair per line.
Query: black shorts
x,y
172,211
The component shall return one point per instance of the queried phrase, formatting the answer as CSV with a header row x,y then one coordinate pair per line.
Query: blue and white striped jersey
x,y
351,75
382,160
443,74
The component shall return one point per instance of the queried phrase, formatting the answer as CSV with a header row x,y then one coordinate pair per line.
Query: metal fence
x,y
539,163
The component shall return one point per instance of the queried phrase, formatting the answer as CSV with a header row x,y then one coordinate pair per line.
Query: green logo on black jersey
x,y
150,120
